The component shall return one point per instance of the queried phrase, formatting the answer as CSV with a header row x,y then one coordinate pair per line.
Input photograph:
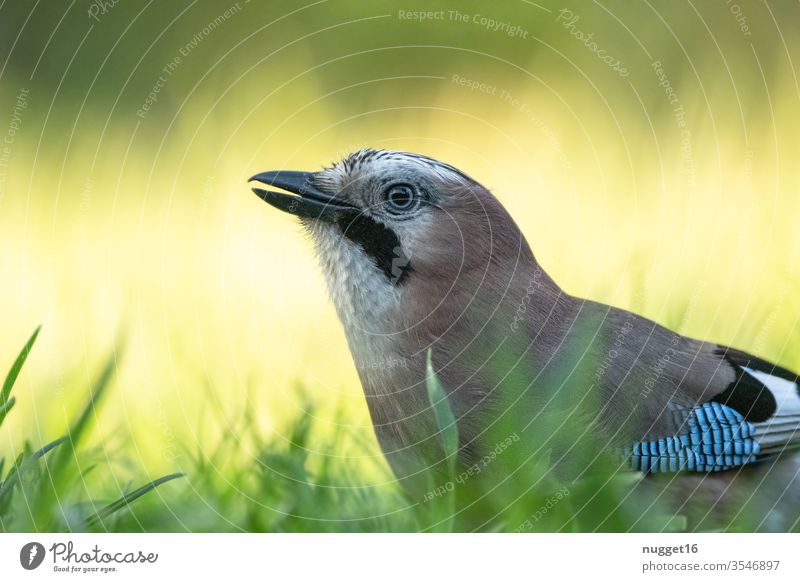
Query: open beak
x,y
305,201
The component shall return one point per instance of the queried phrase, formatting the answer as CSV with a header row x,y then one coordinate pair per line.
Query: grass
x,y
38,491
283,487
257,483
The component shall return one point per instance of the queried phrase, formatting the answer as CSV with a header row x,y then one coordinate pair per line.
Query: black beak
x,y
309,202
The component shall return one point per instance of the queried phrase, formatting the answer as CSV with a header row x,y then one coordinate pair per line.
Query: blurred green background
x,y
649,152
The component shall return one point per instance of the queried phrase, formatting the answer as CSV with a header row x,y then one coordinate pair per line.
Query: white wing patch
x,y
784,391
780,433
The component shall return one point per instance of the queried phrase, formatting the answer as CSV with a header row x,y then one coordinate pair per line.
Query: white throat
x,y
363,296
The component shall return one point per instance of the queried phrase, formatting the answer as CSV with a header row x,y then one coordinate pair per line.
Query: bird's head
x,y
396,229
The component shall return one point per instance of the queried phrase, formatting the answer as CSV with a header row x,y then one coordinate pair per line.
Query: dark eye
x,y
401,198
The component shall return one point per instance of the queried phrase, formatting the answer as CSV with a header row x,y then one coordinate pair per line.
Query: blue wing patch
x,y
713,437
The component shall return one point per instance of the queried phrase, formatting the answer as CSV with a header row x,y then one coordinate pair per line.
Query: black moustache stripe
x,y
379,242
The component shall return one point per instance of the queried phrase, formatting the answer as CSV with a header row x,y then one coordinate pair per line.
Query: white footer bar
x,y
389,557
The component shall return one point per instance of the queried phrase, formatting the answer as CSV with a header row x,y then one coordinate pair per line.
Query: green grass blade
x,y
440,516
17,462
90,409
129,498
18,363
6,406
62,469
445,420
23,462
11,378
49,447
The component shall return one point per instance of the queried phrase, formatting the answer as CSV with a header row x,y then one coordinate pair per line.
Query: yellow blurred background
x,y
649,151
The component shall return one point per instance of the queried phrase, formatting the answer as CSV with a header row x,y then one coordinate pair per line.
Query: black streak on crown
x,y
356,159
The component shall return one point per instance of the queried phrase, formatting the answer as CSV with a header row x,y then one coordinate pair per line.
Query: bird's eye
x,y
401,198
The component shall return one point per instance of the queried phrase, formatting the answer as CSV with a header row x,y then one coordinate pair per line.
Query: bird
x,y
421,259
